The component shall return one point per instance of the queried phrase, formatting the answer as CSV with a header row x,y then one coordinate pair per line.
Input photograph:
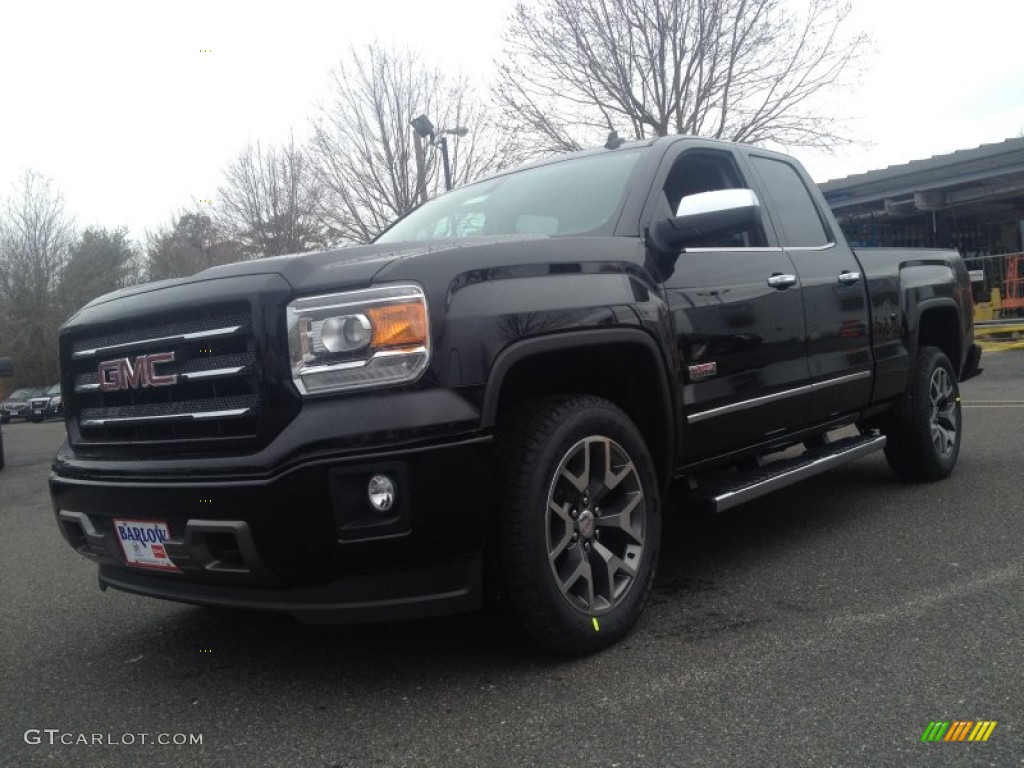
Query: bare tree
x,y
35,235
192,243
363,147
269,202
743,70
101,260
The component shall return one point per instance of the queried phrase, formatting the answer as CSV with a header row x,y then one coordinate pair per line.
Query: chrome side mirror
x,y
717,200
705,216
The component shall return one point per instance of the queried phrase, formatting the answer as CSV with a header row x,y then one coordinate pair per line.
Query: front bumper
x,y
303,541
410,593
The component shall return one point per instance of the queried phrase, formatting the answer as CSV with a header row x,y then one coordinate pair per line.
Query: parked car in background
x,y
17,406
6,369
48,405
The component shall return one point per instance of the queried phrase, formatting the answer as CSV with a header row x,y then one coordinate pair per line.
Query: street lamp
x,y
423,127
438,138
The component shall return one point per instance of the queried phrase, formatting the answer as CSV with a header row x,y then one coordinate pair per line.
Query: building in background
x,y
971,200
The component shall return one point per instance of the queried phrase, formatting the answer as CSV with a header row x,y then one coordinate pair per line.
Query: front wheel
x,y
579,524
924,431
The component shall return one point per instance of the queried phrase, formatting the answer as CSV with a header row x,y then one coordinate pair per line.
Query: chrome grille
x,y
194,410
161,333
216,395
211,367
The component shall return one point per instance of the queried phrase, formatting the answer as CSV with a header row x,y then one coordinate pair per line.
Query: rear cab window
x,y
795,214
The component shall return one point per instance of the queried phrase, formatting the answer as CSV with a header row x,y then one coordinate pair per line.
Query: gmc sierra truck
x,y
490,403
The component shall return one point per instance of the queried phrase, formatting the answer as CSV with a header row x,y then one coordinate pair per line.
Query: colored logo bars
x,y
958,730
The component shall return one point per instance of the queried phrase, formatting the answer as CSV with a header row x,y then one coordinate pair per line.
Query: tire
x,y
578,525
925,430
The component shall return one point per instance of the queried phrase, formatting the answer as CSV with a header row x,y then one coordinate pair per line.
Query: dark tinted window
x,y
795,211
698,171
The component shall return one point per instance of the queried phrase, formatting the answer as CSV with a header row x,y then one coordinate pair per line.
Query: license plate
x,y
143,542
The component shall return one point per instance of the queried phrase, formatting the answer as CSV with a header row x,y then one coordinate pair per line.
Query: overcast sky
x,y
123,107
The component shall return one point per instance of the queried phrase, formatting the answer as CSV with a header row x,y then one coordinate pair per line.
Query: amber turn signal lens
x,y
398,325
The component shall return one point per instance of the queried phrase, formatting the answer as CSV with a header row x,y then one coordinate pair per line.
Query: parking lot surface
x,y
827,624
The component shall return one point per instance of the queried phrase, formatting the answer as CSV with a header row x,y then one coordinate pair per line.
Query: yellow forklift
x,y
999,310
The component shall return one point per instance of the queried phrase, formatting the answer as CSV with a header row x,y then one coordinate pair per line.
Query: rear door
x,y
740,337
833,286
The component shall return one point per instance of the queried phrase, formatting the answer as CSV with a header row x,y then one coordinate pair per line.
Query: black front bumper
x,y
410,593
303,541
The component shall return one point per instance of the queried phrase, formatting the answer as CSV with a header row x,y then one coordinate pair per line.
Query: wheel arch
x,y
938,324
577,362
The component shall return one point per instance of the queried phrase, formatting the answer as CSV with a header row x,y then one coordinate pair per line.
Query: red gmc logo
x,y
123,374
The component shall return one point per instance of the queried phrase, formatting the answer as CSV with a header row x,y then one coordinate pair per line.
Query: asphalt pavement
x,y
826,625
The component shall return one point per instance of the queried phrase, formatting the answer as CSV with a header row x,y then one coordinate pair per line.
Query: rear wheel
x,y
924,431
579,524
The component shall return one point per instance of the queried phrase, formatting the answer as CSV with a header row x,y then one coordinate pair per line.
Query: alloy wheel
x,y
596,524
945,417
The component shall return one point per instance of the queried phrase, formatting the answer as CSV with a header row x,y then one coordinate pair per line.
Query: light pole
x,y
438,138
459,130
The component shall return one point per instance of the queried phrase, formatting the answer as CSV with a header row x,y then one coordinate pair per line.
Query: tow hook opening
x,y
75,535
79,532
224,548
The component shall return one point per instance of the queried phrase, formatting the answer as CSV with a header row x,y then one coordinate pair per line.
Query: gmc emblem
x,y
122,374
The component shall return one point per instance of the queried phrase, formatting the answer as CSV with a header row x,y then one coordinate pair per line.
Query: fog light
x,y
381,492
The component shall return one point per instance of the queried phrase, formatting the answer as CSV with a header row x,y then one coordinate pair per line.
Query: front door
x,y
738,318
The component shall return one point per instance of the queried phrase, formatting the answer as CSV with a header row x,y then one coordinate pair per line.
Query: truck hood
x,y
329,270
349,267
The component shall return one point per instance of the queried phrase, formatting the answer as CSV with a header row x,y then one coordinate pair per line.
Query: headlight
x,y
359,339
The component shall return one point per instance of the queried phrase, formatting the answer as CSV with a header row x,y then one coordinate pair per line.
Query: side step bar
x,y
741,488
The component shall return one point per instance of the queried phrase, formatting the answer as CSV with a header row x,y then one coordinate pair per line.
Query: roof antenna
x,y
614,142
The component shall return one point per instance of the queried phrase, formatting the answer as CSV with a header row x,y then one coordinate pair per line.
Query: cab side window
x,y
797,215
699,171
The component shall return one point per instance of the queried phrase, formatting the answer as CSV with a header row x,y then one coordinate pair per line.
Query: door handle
x,y
781,281
848,278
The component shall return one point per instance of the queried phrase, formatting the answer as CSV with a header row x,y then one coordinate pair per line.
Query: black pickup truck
x,y
491,402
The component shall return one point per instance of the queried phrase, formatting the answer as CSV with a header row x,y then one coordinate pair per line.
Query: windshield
x,y
23,394
571,197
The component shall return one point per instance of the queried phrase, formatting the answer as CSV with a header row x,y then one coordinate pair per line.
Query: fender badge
x,y
703,371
